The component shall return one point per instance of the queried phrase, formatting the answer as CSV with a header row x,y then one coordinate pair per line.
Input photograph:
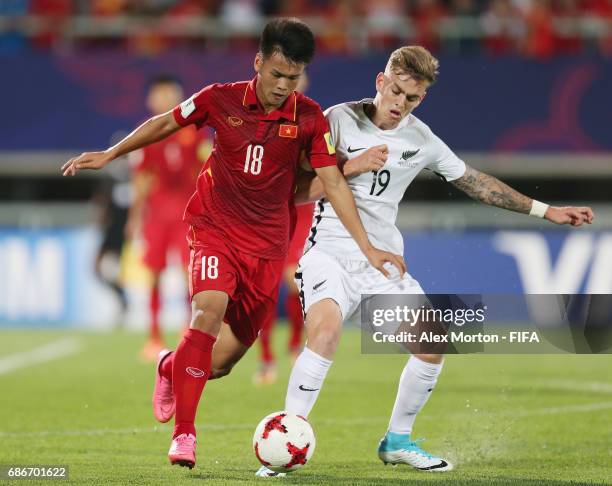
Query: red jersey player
x,y
165,174
301,220
239,215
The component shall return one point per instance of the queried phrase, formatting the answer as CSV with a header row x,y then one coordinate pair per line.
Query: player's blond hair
x,y
415,61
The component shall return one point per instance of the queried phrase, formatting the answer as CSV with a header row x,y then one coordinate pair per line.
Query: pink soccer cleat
x,y
182,450
164,405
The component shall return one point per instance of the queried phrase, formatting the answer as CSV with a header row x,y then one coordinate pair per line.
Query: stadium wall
x,y
47,276
479,104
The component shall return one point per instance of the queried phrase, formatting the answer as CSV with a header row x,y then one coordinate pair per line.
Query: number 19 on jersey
x,y
380,179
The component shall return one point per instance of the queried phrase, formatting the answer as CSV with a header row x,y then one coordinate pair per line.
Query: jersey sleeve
x,y
321,151
195,110
444,161
333,119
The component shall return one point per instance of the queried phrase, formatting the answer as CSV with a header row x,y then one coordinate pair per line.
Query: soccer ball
x,y
283,441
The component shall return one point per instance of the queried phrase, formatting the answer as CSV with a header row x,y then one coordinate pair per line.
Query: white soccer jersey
x,y
412,148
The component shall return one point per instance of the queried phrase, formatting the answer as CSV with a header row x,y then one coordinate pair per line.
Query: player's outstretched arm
x,y
151,131
341,199
492,191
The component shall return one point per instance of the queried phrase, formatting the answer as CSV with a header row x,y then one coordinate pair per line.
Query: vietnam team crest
x,y
288,131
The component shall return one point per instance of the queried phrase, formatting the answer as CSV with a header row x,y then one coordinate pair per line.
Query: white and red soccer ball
x,y
284,441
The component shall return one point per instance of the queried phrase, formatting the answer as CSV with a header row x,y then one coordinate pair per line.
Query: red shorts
x,y
303,223
162,237
250,282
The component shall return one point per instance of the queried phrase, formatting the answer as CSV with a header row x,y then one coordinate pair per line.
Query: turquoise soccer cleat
x,y
399,449
264,472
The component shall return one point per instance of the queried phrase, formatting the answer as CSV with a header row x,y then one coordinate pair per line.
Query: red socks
x,y
190,371
293,307
267,356
154,306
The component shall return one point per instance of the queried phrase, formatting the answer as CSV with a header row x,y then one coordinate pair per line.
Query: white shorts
x,y
323,276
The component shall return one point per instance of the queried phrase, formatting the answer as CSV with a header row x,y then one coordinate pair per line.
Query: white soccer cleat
x,y
399,449
264,472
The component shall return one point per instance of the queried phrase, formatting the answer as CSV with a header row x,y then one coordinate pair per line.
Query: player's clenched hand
x,y
372,159
575,216
378,258
87,160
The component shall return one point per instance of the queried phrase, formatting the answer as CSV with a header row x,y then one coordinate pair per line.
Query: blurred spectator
x,y
537,28
151,7
464,14
334,36
107,8
502,26
188,8
540,36
13,38
603,12
383,19
567,25
523,6
427,16
53,14
241,16
183,13
270,8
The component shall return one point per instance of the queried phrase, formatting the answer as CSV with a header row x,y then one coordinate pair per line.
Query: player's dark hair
x,y
289,36
161,79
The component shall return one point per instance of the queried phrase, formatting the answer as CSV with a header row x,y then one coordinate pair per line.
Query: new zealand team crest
x,y
406,156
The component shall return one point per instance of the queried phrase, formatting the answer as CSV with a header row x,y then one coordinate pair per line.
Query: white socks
x,y
305,382
416,383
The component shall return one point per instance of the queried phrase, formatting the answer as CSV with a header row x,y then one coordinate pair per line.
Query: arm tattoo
x,y
492,191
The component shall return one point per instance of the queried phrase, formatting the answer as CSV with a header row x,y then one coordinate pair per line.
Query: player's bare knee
x,y
206,320
324,344
208,310
324,335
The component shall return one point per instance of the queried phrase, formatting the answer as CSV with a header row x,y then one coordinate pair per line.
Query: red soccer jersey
x,y
174,164
250,175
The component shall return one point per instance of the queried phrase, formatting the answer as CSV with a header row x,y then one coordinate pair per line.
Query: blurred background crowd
x,y
533,28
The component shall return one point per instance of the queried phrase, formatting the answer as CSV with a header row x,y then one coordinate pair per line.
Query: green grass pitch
x,y
536,420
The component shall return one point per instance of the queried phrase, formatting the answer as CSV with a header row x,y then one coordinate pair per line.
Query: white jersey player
x,y
335,264
382,148
409,148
